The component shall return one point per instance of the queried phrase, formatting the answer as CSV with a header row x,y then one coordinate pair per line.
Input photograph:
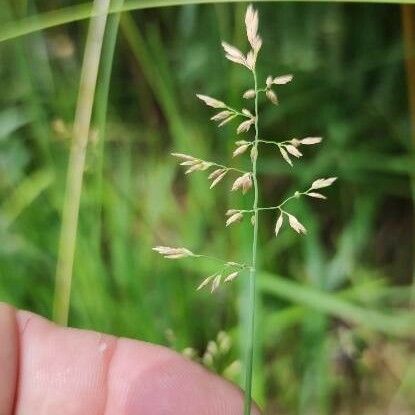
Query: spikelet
x,y
234,54
296,225
249,94
311,140
236,217
211,102
278,224
320,183
173,253
240,150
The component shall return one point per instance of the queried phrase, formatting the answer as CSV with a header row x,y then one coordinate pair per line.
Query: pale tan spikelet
x,y
234,54
285,156
211,102
205,165
320,183
216,282
278,224
257,45
311,140
316,195
240,150
231,212
293,150
216,173
173,253
234,218
253,220
205,282
190,162
272,96
237,183
282,80
245,126
246,183
242,142
251,60
296,225
231,276
226,120
220,116
249,94
195,167
183,156
295,142
247,113
218,179
251,23
269,81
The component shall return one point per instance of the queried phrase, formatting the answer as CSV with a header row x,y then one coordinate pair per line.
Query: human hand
x,y
50,370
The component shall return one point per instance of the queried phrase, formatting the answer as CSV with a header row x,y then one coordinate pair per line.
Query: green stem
x,y
276,143
296,195
101,106
252,274
224,261
237,112
76,163
227,168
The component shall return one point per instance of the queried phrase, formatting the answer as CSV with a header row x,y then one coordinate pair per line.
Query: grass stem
x,y
249,359
76,163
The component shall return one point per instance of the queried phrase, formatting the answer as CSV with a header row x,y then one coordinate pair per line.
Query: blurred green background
x,y
335,329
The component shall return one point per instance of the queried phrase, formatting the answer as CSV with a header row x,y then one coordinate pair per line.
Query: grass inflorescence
x,y
245,181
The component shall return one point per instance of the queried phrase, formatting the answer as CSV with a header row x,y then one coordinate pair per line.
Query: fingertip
x,y
8,357
148,379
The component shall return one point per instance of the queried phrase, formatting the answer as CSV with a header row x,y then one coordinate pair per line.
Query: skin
x,y
47,370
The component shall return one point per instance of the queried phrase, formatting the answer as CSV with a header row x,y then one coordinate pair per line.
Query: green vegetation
x,y
334,307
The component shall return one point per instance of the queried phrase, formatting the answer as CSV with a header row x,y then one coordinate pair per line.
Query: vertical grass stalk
x,y
249,359
76,163
228,271
101,104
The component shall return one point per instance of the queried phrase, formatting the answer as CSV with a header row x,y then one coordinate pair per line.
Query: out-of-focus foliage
x,y
335,318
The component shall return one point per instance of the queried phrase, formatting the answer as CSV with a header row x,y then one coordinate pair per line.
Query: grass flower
x,y
248,120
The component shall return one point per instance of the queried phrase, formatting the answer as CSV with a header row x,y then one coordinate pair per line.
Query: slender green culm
x,y
76,162
246,180
101,105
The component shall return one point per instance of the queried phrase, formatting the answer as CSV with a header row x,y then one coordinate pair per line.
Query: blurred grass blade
x,y
401,325
101,104
77,161
84,11
408,33
24,195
